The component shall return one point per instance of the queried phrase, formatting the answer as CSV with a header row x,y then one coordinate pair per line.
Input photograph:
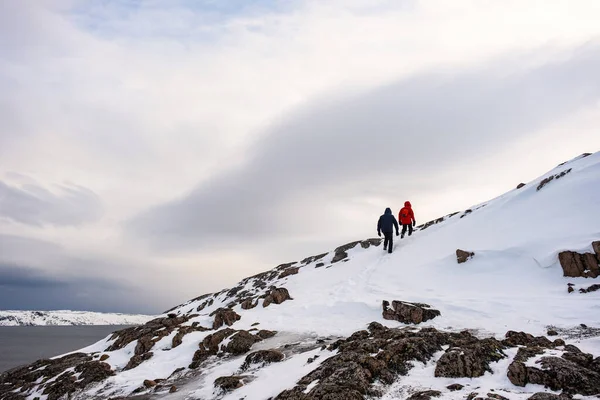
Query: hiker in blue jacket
x,y
387,223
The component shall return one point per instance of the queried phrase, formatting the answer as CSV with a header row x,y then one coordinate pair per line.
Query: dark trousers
x,y
388,242
405,227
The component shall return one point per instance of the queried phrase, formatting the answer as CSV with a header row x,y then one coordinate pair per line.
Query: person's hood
x,y
388,210
407,204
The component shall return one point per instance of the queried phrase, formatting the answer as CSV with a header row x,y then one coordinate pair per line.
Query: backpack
x,y
404,212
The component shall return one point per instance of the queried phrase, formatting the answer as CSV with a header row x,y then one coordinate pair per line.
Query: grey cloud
x,y
413,128
27,288
34,205
30,279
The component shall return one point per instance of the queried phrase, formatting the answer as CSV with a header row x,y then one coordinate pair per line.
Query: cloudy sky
x,y
152,151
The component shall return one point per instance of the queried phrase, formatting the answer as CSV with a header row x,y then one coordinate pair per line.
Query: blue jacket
x,y
387,222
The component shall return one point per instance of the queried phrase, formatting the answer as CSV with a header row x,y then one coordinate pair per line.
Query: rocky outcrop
x,y
596,247
579,265
262,357
408,313
276,296
463,256
288,272
229,383
380,354
469,360
574,372
549,179
184,330
249,304
341,252
589,289
239,342
550,396
54,378
224,316
425,395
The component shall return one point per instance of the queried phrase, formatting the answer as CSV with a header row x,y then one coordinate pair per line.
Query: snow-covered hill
x,y
315,329
65,317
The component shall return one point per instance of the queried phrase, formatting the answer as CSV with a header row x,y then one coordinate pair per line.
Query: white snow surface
x,y
65,317
514,282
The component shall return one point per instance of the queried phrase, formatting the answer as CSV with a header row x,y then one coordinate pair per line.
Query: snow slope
x,y
64,317
514,282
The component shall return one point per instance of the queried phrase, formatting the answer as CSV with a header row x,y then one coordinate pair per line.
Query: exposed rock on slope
x,y
408,313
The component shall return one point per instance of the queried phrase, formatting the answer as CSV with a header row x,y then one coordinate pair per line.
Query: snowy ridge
x,y
513,282
66,317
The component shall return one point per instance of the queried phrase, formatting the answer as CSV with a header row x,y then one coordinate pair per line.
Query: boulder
x,y
276,296
589,289
520,185
596,247
341,252
149,383
224,316
571,374
289,271
549,396
425,395
579,265
241,342
249,304
265,334
463,256
262,357
469,361
454,387
408,313
229,383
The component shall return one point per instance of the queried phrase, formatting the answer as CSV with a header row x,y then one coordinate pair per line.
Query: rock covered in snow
x,y
463,256
408,313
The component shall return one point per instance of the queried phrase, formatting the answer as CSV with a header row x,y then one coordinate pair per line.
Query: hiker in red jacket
x,y
407,219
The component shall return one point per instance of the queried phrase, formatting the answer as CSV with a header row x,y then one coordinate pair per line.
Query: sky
x,y
153,151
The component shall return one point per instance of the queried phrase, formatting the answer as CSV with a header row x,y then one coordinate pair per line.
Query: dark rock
x,y
172,315
184,330
229,383
311,259
104,357
496,396
380,354
551,332
408,313
265,334
288,272
149,383
365,244
470,360
276,296
520,185
241,343
262,357
137,359
425,395
462,256
224,316
248,304
173,389
341,252
455,387
579,265
319,265
549,179
570,289
589,289
596,247
514,339
557,374
550,396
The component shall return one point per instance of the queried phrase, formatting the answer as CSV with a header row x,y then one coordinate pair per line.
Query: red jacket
x,y
406,215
